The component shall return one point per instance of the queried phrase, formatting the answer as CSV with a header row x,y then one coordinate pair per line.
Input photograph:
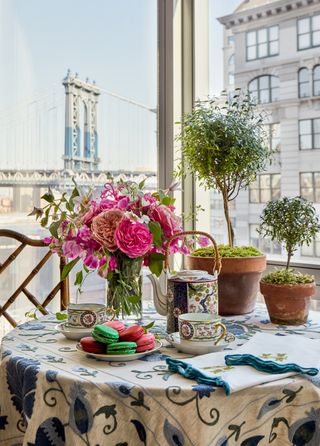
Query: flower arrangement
x,y
114,232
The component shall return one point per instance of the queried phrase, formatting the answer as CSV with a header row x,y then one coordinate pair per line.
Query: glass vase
x,y
124,292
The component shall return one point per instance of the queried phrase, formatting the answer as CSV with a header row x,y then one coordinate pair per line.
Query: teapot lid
x,y
189,275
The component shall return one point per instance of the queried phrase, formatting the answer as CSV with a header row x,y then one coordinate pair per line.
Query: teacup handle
x,y
224,331
112,311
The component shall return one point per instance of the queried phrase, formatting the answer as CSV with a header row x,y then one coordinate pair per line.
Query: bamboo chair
x,y
62,286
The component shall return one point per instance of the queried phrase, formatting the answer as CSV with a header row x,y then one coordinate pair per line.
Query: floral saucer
x,y
193,348
73,333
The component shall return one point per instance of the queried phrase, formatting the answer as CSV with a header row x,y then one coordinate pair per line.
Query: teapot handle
x,y
217,265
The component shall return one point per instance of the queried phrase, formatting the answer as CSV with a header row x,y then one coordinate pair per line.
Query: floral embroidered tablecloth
x,y
50,394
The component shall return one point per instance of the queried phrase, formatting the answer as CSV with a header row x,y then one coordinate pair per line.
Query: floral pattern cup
x,y
201,328
86,315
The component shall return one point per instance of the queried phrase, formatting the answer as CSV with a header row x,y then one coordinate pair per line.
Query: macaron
x,y
121,348
116,325
145,343
132,333
90,345
104,334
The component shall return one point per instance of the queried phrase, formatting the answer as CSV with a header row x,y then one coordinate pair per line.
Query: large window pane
x,y
304,41
304,25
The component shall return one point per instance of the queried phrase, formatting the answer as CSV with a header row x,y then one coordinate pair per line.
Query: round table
x,y
53,395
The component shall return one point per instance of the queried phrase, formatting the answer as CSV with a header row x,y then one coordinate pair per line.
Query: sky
x,y
113,42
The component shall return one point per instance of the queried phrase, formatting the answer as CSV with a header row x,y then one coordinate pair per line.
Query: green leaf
x,y
142,183
53,228
86,268
48,196
68,267
79,278
167,200
156,263
134,299
61,316
146,327
155,230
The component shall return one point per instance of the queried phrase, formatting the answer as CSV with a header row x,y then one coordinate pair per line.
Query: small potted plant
x,y
287,293
224,144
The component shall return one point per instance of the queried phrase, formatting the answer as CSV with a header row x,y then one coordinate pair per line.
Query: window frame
x,y
311,31
270,88
315,80
303,82
315,244
314,188
312,134
263,241
260,189
256,45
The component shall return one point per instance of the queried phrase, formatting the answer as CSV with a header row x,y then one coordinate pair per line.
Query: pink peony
x,y
71,249
133,238
104,226
169,222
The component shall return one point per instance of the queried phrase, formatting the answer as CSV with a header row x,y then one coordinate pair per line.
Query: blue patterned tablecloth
x,y
51,395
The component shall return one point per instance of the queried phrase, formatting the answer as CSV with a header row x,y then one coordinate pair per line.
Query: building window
x,y
266,187
262,42
303,83
309,134
264,244
313,250
265,89
310,186
273,136
230,40
309,32
231,78
316,80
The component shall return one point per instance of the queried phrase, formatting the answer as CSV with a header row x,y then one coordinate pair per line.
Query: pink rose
x,y
133,238
104,226
169,222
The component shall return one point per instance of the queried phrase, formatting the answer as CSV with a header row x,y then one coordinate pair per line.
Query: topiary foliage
x,y
287,277
227,251
224,144
291,222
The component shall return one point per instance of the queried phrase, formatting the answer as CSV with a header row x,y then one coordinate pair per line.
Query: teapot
x,y
186,291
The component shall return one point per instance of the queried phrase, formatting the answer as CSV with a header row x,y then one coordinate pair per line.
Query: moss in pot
x,y
224,145
291,222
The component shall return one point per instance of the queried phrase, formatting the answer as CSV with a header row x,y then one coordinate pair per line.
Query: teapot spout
x,y
159,298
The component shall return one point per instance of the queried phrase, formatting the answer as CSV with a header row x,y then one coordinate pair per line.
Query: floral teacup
x,y
201,328
86,315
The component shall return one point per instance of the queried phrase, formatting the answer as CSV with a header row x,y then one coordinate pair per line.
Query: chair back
x,y
62,286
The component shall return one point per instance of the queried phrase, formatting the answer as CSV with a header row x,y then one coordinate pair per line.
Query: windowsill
x,y
277,259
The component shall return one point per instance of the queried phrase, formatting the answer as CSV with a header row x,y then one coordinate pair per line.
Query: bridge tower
x,y
81,135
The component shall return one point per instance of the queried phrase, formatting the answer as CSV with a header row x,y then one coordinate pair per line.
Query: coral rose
x,y
169,222
103,228
133,238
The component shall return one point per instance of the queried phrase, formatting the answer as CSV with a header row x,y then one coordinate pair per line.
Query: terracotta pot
x,y
288,304
238,282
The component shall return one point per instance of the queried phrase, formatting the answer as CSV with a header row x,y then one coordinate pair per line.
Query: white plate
x,y
118,358
75,334
192,348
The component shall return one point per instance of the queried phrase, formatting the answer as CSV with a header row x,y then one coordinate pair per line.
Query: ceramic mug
x,y
86,315
201,328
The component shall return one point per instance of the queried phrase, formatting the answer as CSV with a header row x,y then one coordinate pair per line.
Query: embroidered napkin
x,y
293,352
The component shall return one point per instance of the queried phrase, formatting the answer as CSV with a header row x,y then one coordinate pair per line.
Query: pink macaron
x,y
116,325
132,333
145,343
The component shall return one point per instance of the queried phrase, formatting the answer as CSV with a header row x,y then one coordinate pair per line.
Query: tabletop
x,y
53,395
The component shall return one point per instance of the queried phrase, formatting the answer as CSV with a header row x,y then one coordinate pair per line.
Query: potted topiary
x,y
225,146
287,293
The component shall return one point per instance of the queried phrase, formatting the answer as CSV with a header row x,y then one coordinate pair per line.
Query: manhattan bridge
x,y
69,134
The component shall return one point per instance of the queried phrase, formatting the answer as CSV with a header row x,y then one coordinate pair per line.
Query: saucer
x,y
73,333
192,348
119,358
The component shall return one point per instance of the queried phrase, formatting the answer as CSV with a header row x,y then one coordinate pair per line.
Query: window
x,y
266,187
316,80
303,83
310,186
230,40
309,134
231,60
309,32
231,78
273,136
313,250
262,42
264,244
265,88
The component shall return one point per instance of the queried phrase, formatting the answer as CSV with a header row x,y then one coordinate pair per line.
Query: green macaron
x,y
122,348
105,334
